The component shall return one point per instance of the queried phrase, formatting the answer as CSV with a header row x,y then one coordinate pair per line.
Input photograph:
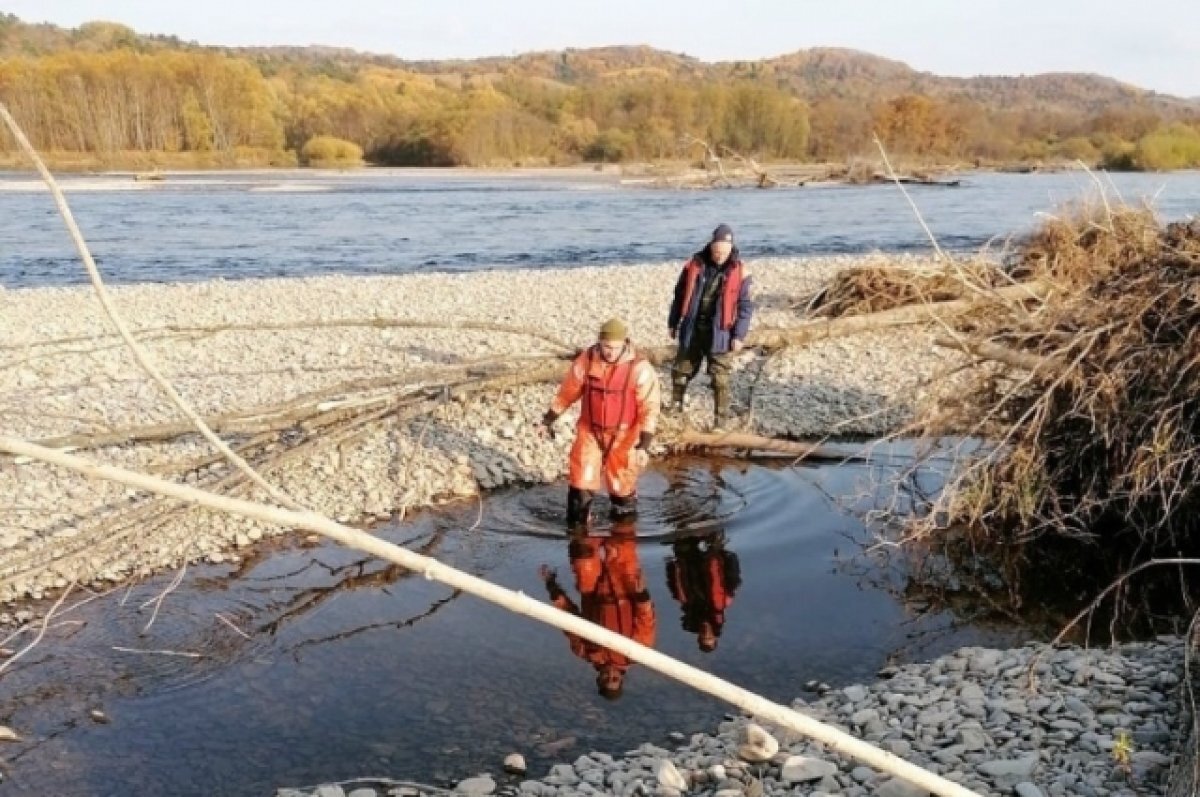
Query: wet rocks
x,y
514,764
755,744
930,715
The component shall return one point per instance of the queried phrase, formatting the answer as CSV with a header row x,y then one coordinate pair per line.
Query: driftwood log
x,y
913,179
984,350
745,441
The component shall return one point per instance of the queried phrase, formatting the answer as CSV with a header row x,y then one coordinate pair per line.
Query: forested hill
x,y
104,88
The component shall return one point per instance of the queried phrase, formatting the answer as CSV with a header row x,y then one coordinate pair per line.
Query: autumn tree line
x,y
229,109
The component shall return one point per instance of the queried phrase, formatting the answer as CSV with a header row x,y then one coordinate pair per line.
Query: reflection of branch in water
x,y
896,568
5,652
32,744
313,597
968,601
396,624
921,639
253,585
252,558
250,562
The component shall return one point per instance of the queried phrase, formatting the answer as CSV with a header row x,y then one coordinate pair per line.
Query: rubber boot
x,y
722,415
624,506
579,508
675,406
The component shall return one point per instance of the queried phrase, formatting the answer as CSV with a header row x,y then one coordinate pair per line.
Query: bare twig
x,y
1117,584
42,632
892,174
230,623
181,653
162,596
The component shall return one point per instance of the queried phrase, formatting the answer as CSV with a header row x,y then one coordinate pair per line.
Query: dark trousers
x,y
688,362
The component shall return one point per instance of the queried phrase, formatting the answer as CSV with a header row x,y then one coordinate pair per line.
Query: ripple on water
x,y
672,503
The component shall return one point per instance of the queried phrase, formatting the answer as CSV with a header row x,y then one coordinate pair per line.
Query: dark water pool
x,y
348,667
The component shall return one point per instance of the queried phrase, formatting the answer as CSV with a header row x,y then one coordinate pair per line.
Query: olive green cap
x,y
614,329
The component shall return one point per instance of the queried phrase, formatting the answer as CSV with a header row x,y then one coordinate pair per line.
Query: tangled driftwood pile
x,y
1091,395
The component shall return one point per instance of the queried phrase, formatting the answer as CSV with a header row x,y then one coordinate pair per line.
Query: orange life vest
x,y
610,393
727,309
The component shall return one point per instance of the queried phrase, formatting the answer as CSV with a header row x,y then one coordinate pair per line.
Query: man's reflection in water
x,y
612,593
703,576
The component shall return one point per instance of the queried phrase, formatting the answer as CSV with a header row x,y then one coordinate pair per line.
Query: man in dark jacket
x,y
710,318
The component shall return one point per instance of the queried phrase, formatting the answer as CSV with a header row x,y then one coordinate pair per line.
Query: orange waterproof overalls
x,y
619,401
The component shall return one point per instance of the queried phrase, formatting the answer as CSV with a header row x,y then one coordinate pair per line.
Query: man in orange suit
x,y
620,395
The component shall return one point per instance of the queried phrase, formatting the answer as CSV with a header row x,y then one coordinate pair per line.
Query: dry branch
x,y
751,442
986,350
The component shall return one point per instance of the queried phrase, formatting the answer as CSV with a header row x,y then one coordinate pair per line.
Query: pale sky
x,y
1153,44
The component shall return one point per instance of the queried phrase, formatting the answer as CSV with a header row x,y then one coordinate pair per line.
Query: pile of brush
x,y
872,289
1091,396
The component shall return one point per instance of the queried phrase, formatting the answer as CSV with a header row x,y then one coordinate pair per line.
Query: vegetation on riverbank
x,y
103,95
1088,392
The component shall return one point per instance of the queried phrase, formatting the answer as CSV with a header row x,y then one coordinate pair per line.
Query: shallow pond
x,y
341,667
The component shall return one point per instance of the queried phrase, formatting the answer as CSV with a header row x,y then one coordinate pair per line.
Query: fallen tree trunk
x,y
913,179
823,328
202,331
985,350
752,442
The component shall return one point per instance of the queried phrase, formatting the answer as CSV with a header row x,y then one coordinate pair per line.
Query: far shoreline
x,y
70,164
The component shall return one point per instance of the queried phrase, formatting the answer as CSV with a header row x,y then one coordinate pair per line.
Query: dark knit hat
x,y
723,233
